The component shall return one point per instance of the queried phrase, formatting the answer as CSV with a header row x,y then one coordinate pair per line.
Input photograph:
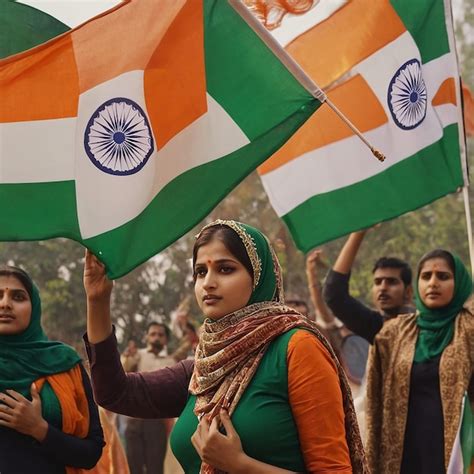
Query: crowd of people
x,y
263,386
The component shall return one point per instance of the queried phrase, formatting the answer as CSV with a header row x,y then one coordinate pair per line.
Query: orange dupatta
x,y
69,389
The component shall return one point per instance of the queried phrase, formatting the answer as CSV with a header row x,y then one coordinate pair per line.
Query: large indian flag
x,y
391,67
126,131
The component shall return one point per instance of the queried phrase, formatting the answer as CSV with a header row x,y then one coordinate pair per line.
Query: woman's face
x,y
223,284
15,306
436,283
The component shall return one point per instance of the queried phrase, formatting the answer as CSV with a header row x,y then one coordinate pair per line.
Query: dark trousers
x,y
146,442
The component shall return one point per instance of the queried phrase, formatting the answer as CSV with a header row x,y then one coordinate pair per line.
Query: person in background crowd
x,y
49,422
184,331
257,359
145,439
298,304
420,386
113,459
391,291
351,348
180,319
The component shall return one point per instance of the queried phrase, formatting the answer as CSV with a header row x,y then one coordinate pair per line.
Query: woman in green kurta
x,y
243,365
259,363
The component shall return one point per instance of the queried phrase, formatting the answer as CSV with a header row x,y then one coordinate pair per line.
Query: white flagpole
x,y
467,208
296,69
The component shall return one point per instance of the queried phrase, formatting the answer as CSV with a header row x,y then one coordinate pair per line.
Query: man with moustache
x,y
391,291
146,440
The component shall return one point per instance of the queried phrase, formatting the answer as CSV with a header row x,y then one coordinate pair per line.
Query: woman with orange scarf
x,y
48,420
265,393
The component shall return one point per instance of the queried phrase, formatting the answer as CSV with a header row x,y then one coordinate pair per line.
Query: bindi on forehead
x,y
6,288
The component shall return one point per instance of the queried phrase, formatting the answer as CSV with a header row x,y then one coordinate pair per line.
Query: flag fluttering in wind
x,y
125,132
391,67
23,27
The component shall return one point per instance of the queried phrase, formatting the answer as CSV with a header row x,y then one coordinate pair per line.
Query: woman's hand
x,y
315,261
19,414
98,290
98,287
222,451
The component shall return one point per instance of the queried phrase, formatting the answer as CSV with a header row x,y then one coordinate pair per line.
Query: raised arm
x,y
158,394
346,258
360,319
98,291
313,265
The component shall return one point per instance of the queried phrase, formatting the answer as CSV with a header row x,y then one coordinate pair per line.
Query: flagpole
x,y
296,70
467,208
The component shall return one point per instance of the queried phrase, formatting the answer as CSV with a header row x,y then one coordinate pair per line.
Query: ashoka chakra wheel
x,y
118,138
407,97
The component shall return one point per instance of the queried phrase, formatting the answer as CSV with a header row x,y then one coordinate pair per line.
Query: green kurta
x,y
263,418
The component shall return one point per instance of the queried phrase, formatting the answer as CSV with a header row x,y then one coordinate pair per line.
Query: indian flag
x,y
391,68
125,132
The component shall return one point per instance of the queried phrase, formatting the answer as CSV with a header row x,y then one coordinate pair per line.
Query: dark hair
x,y
437,253
20,275
231,241
393,262
161,325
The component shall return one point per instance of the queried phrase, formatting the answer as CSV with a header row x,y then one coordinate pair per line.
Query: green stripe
x,y
22,27
36,211
425,20
243,75
186,200
418,180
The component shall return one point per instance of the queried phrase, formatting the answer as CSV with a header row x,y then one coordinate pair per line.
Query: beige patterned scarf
x,y
228,356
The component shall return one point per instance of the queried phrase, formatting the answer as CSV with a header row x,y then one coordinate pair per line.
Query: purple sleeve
x,y
159,394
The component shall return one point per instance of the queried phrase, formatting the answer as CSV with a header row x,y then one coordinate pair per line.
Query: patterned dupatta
x,y
230,349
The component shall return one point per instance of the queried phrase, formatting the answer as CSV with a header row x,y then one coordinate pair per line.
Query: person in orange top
x,y
48,419
265,394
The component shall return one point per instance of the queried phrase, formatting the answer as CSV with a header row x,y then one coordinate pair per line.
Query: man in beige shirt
x,y
146,439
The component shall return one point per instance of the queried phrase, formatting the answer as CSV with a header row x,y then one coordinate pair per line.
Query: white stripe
x,y
432,72
37,151
447,114
106,201
210,137
456,462
348,161
293,26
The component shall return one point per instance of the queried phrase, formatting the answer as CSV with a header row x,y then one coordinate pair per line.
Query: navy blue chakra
x,y
407,97
118,137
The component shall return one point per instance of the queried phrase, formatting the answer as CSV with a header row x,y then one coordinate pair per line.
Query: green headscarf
x,y
437,325
28,356
267,277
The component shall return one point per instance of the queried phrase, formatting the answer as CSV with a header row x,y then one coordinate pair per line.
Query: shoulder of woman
x,y
468,308
305,345
395,325
466,317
